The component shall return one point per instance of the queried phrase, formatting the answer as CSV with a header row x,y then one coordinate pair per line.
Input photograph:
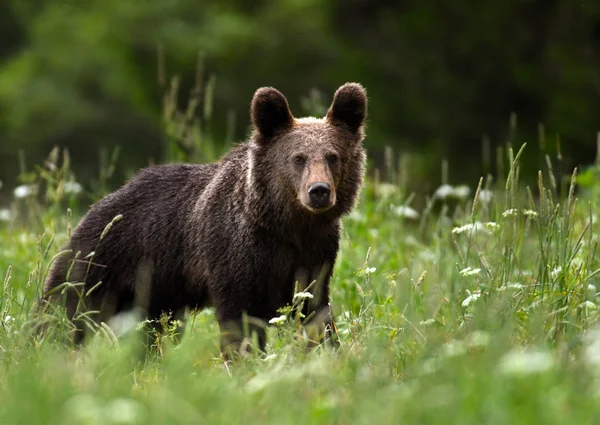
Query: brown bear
x,y
238,234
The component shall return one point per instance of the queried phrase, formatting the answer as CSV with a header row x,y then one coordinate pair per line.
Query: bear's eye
x,y
299,160
333,158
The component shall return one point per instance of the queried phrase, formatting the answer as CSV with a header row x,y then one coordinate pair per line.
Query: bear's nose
x,y
319,194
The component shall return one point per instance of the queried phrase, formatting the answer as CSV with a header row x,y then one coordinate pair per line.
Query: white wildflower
x,y
592,288
72,188
431,366
577,262
270,357
446,191
24,191
141,324
124,411
454,348
485,196
468,271
511,285
289,376
461,229
476,226
530,213
411,240
443,192
526,362
407,212
370,270
84,409
462,191
8,322
5,214
510,212
303,296
278,320
491,225
478,339
471,298
592,349
588,305
25,237
556,272
356,216
427,322
125,322
385,190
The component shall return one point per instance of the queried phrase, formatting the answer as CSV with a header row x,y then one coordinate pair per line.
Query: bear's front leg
x,y
319,326
240,334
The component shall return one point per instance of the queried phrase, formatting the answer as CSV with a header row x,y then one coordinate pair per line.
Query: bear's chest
x,y
286,269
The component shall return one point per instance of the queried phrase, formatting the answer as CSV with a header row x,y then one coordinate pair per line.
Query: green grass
x,y
439,323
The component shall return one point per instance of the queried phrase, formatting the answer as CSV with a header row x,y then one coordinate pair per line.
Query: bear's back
x,y
153,208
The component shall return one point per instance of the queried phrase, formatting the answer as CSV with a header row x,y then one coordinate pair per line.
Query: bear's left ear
x,y
349,107
270,111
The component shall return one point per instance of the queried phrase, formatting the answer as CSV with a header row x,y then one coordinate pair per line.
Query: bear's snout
x,y
319,195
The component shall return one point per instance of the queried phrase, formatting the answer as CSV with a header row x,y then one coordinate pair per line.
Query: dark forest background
x,y
448,80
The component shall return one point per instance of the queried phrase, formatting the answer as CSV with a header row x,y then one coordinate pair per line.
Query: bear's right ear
x,y
270,111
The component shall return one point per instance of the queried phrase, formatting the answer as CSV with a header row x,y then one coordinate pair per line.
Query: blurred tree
x,y
440,74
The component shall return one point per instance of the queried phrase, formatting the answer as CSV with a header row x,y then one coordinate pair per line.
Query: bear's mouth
x,y
319,210
316,209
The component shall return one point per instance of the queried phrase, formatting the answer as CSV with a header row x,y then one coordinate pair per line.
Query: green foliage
x,y
476,308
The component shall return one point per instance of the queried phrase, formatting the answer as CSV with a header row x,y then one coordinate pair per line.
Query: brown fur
x,y
236,234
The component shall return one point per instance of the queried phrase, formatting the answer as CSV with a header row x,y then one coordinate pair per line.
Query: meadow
x,y
480,307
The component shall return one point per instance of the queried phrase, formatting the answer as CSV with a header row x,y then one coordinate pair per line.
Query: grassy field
x,y
481,307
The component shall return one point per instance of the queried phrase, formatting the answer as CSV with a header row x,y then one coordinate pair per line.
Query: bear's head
x,y
318,163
